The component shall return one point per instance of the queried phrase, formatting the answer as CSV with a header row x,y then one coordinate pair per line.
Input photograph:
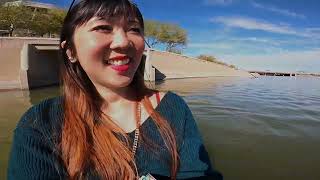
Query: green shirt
x,y
34,154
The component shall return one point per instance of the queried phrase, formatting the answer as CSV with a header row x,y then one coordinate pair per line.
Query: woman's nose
x,y
120,40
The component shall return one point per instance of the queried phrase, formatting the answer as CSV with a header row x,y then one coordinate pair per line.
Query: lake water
x,y
262,128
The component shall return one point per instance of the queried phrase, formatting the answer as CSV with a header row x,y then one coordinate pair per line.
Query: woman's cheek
x,y
93,48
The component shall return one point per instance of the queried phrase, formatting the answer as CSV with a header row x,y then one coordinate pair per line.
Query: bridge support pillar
x,y
24,66
149,71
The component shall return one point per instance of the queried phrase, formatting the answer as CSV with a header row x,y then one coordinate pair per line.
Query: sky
x,y
267,35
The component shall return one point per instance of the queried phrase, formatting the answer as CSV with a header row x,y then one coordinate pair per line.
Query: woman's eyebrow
x,y
134,22
95,20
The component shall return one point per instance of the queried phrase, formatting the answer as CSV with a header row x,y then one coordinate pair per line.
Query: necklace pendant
x,y
147,177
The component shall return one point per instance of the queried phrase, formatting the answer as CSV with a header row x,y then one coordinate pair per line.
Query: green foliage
x,y
4,1
38,22
151,32
214,60
207,58
34,22
233,66
49,22
18,16
171,35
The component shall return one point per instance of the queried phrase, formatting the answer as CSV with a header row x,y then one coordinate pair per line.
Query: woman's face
x,y
110,50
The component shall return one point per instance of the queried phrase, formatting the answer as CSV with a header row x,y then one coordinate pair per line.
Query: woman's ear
x,y
63,44
68,52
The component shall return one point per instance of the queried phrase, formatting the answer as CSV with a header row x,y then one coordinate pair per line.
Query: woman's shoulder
x,y
45,108
174,108
173,99
42,116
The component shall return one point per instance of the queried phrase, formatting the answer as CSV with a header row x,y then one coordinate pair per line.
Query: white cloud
x,y
249,57
220,45
256,24
288,61
253,24
262,53
235,46
257,40
218,2
278,10
314,32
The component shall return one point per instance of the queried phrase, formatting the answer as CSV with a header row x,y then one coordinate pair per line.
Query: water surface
x,y
263,128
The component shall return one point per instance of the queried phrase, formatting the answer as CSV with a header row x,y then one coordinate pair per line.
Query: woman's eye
x,y
103,28
135,29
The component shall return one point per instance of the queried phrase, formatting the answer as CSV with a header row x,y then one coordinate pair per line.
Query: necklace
x,y
135,142
136,132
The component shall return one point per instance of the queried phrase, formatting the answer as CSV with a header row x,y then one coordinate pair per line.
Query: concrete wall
x,y
10,66
43,67
24,66
18,42
33,62
170,65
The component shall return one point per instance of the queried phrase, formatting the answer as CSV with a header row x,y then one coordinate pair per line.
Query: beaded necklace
x,y
137,131
136,139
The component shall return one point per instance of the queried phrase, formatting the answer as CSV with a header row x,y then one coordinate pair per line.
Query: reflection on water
x,y
263,128
13,104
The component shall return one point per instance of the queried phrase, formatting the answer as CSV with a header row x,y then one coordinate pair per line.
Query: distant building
x,y
37,6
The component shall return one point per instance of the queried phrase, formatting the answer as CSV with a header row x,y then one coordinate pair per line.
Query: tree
x,y
47,22
207,58
152,30
56,20
40,24
19,16
4,1
171,35
214,60
31,21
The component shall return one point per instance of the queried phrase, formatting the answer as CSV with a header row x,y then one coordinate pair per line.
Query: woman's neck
x,y
120,106
111,96
115,99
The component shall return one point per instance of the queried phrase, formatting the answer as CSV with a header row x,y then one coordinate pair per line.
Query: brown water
x,y
264,128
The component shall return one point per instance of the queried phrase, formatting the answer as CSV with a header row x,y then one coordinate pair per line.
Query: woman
x,y
107,124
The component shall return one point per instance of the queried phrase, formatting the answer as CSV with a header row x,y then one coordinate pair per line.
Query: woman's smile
x,y
119,63
110,57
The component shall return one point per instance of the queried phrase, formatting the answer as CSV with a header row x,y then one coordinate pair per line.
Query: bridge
x,y
34,62
269,73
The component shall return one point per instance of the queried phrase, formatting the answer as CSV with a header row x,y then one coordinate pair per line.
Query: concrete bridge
x,y
269,73
33,62
28,62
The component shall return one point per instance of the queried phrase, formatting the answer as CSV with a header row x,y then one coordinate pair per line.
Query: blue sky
x,y
275,35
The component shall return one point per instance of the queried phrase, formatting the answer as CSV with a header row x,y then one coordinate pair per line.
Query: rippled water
x,y
263,128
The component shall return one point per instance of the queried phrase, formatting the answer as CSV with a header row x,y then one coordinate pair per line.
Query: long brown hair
x,y
90,140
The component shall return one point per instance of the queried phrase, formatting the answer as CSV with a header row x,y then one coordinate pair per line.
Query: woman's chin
x,y
121,83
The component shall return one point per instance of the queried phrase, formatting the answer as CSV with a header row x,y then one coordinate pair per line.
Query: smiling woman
x,y
107,124
108,50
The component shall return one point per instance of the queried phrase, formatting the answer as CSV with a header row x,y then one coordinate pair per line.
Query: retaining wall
x,y
170,65
33,62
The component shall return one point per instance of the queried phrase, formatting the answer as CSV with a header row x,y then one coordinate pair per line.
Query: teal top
x,y
34,154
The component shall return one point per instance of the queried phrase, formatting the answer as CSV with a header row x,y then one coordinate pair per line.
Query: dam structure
x,y
28,63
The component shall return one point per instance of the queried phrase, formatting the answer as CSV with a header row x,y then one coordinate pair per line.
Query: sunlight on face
x,y
109,51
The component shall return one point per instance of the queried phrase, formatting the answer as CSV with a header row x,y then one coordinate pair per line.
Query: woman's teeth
x,y
117,62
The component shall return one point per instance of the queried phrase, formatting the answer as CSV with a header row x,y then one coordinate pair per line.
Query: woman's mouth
x,y
119,63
